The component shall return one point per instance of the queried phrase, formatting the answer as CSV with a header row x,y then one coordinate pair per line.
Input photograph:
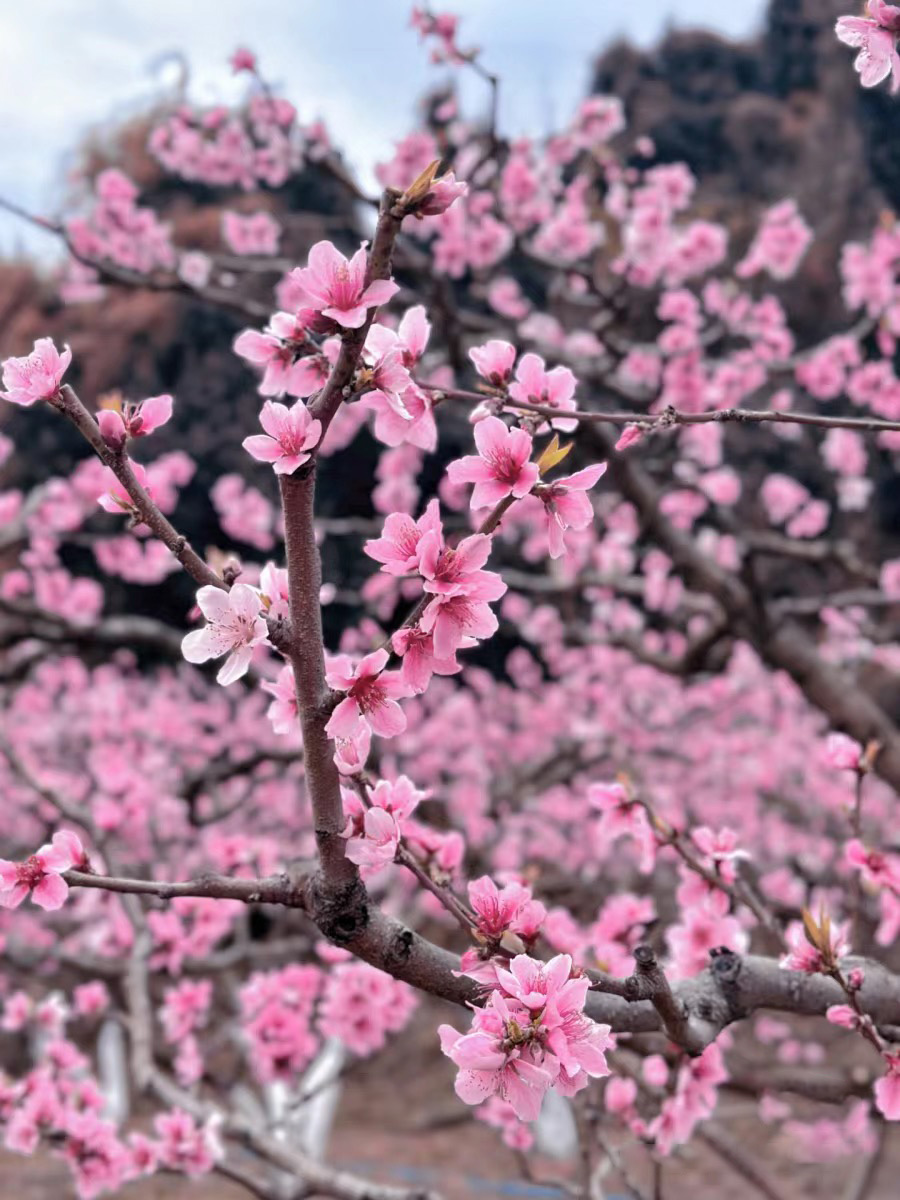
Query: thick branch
x,y
696,1010
649,983
276,889
306,654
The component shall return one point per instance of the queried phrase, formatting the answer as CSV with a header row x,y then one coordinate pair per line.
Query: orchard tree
x,y
605,756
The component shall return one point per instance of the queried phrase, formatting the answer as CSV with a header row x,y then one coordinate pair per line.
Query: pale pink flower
x,y
887,1089
420,661
282,712
878,868
531,1035
494,361
453,620
361,1005
41,874
288,358
534,384
185,1008
501,468
291,434
398,547
843,1015
195,268
336,287
720,847
500,1115
116,499
506,297
656,1070
37,376
501,909
620,1095
802,956
842,753
91,998
566,505
351,753
186,1146
235,626
413,333
454,571
371,698
275,587
134,420
385,372
376,842
875,37
780,243
622,816
486,1068
444,191
243,60
890,579
535,983
409,424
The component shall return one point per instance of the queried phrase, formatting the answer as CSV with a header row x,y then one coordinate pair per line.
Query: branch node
x,y
341,912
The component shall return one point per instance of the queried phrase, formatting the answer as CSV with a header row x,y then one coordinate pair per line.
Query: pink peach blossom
x,y
41,874
887,1089
37,376
494,361
372,695
290,437
337,288
501,468
875,37
566,505
235,626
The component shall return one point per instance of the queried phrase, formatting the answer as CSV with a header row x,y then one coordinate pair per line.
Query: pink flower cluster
x,y
441,27
276,1021
531,1035
780,243
257,233
457,588
507,917
403,412
373,832
360,1006
261,143
290,360
119,230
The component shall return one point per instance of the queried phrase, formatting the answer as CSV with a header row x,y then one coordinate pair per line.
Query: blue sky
x,y
71,65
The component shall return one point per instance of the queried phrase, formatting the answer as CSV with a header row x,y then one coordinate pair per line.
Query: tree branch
x,y
71,407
